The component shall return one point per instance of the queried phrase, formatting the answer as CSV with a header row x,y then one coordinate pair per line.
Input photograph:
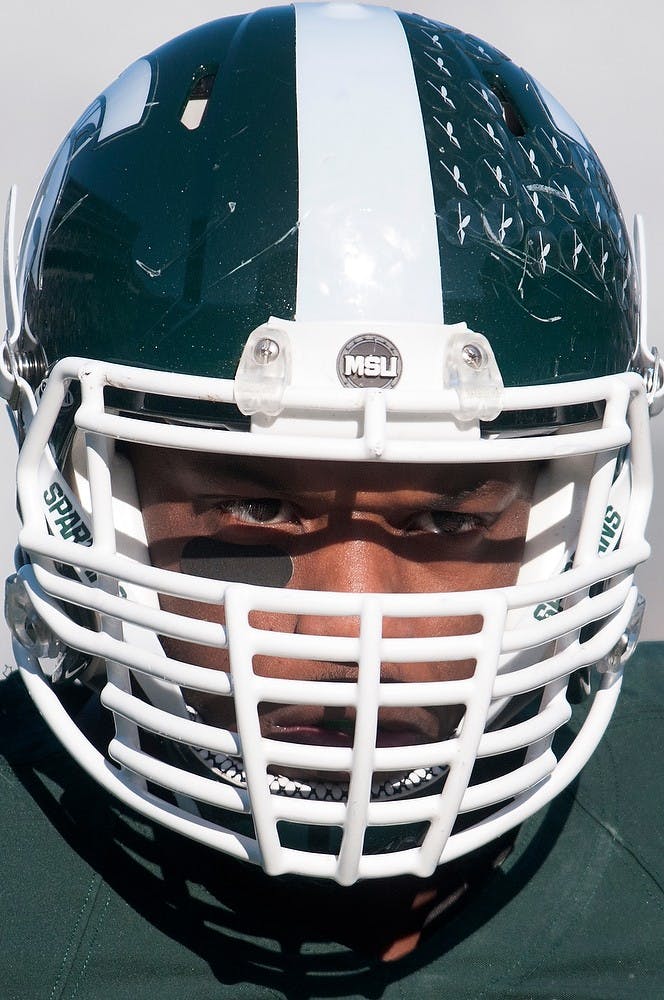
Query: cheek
x,y
212,657
496,560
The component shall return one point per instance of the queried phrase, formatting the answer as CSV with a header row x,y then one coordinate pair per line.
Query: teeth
x,y
231,769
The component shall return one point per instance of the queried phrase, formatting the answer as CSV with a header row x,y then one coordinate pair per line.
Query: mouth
x,y
336,727
317,728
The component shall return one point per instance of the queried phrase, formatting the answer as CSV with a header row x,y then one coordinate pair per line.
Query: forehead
x,y
184,472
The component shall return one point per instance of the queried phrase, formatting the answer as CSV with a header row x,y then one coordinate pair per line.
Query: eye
x,y
447,522
260,510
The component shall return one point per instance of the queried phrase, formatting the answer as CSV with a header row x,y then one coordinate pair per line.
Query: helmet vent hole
x,y
197,98
511,116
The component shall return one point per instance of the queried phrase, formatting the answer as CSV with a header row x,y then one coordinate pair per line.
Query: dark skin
x,y
348,528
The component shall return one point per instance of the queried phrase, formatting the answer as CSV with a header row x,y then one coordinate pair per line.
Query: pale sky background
x,y
600,58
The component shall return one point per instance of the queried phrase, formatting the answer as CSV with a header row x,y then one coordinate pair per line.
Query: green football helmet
x,y
337,233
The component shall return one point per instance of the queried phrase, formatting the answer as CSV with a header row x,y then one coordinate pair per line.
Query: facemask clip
x,y
471,369
264,372
626,645
27,627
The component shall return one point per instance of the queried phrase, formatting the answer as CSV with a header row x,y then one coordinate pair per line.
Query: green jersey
x,y
99,904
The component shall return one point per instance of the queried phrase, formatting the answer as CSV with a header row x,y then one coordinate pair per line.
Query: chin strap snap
x,y
626,645
26,626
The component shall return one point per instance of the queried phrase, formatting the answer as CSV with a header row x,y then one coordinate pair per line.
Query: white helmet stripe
x,y
368,245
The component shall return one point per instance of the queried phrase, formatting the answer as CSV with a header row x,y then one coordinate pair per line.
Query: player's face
x,y
328,526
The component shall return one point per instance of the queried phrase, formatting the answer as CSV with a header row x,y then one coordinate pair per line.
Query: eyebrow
x,y
478,491
238,478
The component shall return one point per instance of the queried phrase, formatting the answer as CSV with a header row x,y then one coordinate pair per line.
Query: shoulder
x,y
620,789
644,677
578,909
84,907
24,736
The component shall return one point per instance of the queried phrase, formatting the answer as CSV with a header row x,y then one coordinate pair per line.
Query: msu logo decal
x,y
369,362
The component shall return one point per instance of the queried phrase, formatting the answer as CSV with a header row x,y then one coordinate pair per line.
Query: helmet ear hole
x,y
197,98
511,115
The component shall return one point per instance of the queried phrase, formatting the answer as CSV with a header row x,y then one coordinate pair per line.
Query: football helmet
x,y
341,233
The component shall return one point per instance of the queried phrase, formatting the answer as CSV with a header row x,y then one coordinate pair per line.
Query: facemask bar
x,y
381,409
534,782
510,797
646,358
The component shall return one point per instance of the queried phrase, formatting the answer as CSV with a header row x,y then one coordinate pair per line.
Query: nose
x,y
362,564
358,566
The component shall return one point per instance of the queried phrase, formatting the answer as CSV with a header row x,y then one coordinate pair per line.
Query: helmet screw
x,y
473,355
31,366
266,351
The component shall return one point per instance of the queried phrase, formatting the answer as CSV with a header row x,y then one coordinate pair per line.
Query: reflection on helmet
x,y
339,233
